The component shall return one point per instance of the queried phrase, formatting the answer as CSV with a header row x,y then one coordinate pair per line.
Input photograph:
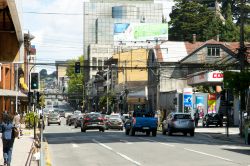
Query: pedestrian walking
x,y
17,123
196,118
7,139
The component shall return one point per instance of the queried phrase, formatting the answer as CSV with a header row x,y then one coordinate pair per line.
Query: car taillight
x,y
86,119
134,120
100,118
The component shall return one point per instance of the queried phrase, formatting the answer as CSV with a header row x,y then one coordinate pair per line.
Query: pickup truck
x,y
141,122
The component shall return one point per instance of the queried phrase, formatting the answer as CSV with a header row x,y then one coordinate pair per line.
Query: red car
x,y
92,121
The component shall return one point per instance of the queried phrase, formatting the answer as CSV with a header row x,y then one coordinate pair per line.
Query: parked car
x,y
54,118
125,117
212,119
142,121
92,121
61,113
72,118
78,120
105,118
67,118
114,122
178,122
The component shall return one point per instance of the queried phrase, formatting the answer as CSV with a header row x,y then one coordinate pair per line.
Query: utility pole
x,y
242,53
108,90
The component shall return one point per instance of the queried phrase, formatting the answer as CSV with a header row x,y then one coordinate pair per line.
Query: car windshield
x,y
53,115
182,116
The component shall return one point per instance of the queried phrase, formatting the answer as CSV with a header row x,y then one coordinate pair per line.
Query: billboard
x,y
188,100
140,31
200,103
211,103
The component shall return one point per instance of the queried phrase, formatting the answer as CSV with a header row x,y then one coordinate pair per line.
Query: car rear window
x,y
182,116
93,115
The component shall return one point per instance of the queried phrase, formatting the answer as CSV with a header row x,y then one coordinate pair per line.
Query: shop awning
x,y
11,93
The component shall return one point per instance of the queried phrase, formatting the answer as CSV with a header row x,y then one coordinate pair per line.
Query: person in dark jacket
x,y
8,139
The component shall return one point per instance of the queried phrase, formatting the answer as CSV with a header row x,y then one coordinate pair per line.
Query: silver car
x,y
178,122
54,118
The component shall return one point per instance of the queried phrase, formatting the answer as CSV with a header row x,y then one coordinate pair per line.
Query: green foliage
x,y
103,100
188,18
41,102
236,81
194,17
75,83
29,119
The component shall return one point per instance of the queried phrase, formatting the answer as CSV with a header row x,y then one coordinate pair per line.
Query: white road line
x,y
105,146
75,146
229,147
125,141
120,154
166,144
208,155
129,159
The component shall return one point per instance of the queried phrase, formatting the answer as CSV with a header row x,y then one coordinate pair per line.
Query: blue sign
x,y
188,100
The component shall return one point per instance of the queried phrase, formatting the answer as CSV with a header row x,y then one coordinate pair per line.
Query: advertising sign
x,y
200,103
188,100
140,31
211,103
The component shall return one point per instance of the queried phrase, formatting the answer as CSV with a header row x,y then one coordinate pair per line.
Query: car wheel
x,y
69,124
207,125
127,131
59,124
221,125
185,133
121,129
169,131
48,124
147,133
132,132
82,130
192,133
163,131
75,125
203,124
154,132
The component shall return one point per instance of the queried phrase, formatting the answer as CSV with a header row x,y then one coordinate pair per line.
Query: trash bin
x,y
247,135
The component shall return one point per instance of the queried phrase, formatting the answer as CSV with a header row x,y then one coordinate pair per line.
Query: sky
x,y
58,28
58,36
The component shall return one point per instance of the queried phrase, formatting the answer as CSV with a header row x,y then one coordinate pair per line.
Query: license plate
x,y
145,128
94,124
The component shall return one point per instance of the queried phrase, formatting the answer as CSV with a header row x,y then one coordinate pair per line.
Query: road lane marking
x,y
222,158
118,153
105,146
166,144
127,158
75,145
125,141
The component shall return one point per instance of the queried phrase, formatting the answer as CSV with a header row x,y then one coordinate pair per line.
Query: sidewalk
x,y
21,149
220,133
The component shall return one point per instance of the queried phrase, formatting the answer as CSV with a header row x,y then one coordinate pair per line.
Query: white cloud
x,y
57,36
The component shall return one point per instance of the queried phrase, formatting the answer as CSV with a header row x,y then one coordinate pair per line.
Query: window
x,y
213,51
94,63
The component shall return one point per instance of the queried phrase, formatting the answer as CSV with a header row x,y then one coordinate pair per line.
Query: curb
x,y
47,154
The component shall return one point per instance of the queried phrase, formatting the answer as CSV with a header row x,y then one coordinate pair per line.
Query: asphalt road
x,y
69,147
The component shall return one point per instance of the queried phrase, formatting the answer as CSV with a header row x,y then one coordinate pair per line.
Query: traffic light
x,y
34,81
37,97
30,97
77,67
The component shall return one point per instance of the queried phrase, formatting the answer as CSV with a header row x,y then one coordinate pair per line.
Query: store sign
x,y
215,76
212,76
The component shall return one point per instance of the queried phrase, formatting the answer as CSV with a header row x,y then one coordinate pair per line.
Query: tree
x,y
230,32
43,74
75,83
188,18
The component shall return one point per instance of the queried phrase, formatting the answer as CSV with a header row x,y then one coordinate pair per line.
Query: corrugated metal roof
x,y
11,93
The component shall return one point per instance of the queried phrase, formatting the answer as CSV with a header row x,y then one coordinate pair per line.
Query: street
x,y
69,146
